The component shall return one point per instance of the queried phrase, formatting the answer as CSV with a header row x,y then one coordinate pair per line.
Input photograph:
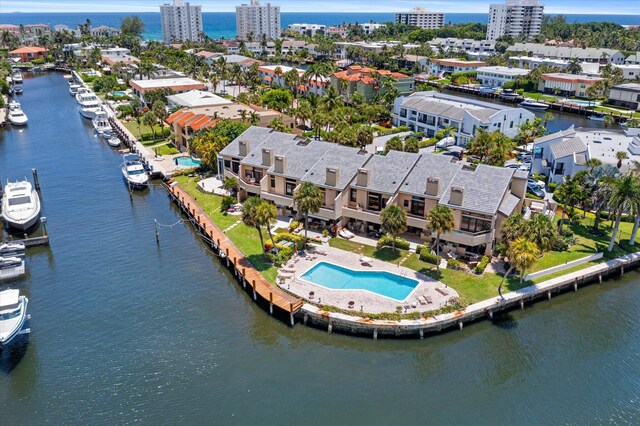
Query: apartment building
x,y
181,21
515,18
584,54
420,17
342,47
357,186
362,80
568,85
175,84
497,76
308,29
274,75
104,31
450,66
428,112
253,21
626,95
468,45
28,53
27,34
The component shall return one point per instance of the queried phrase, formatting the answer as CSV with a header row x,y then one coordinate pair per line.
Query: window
x,y
273,182
227,164
374,202
353,195
406,203
417,206
290,186
474,224
511,125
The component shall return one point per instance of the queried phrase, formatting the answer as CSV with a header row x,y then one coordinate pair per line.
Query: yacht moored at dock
x,y
73,89
18,89
20,205
13,314
15,115
533,104
88,104
133,171
12,249
101,122
17,77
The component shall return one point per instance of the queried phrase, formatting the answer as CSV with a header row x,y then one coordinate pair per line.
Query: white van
x,y
446,142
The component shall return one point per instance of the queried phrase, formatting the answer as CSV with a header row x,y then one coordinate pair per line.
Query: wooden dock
x,y
42,240
246,274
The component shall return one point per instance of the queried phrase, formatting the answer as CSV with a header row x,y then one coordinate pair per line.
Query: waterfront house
x,y
497,76
119,58
588,54
568,85
28,53
626,95
104,31
368,82
428,112
441,67
196,98
175,84
469,46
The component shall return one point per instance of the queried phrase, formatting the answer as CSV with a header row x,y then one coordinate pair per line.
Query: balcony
x,y
468,238
416,221
361,214
250,185
279,200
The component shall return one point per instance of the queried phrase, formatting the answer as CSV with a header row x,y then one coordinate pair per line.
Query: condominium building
x,y
626,95
181,21
449,66
357,186
368,82
429,112
308,29
254,21
497,76
567,84
587,54
515,18
423,18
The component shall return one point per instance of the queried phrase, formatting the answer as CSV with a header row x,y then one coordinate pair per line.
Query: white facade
x,y
429,112
371,27
422,18
181,22
497,76
308,29
255,20
515,18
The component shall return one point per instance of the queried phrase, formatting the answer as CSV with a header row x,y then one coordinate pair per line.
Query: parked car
x,y
540,184
535,190
446,142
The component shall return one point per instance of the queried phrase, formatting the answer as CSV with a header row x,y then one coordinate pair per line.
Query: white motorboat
x,y
598,116
20,205
15,114
10,262
101,122
133,171
88,104
508,95
73,89
13,314
12,249
17,77
533,104
17,89
114,141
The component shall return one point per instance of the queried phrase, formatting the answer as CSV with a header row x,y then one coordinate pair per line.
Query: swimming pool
x,y
119,93
583,103
380,282
187,161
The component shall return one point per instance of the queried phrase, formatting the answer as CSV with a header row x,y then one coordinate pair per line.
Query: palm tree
x,y
570,193
394,221
540,230
624,198
150,119
522,253
231,184
160,110
254,118
308,199
513,228
250,216
621,155
609,120
440,220
266,214
574,66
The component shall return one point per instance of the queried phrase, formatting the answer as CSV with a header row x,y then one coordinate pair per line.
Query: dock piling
x,y
36,181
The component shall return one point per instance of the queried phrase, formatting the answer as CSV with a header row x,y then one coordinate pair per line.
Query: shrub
x,y
427,256
283,255
387,240
419,249
166,132
227,202
268,246
325,232
552,186
480,267
269,257
285,236
455,264
38,61
293,225
428,142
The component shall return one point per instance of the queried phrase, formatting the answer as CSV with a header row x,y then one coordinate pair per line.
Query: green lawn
x,y
244,237
539,96
132,126
472,288
165,149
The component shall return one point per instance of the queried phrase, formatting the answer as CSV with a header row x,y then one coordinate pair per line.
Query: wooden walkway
x,y
243,269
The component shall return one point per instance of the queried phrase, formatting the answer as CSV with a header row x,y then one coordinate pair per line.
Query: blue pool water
x,y
187,161
585,103
339,278
119,93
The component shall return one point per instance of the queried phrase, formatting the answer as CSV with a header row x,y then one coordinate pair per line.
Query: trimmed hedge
x,y
387,240
166,132
429,257
455,264
480,267
286,236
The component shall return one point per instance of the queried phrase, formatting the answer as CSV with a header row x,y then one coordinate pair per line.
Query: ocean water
x,y
223,25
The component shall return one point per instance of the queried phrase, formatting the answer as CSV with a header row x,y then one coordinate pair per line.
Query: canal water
x,y
124,330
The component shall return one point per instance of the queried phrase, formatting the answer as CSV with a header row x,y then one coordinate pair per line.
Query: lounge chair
x,y
346,234
428,299
421,300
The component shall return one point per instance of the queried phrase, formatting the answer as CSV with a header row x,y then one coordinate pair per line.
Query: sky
x,y
628,7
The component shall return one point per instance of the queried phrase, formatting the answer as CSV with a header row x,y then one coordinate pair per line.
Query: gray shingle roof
x,y
345,159
560,52
509,204
483,188
300,157
452,107
278,142
430,166
255,135
387,172
561,134
567,147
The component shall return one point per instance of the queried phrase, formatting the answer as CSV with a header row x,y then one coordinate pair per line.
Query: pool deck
x,y
364,301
